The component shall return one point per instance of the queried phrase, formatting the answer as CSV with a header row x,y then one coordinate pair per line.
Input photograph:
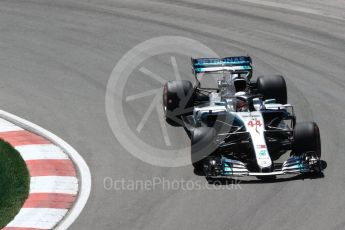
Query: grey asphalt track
x,y
55,60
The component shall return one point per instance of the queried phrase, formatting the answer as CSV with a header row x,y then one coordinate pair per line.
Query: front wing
x,y
224,167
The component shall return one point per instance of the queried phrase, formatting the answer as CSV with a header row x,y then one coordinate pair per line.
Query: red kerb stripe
x,y
49,200
51,168
22,137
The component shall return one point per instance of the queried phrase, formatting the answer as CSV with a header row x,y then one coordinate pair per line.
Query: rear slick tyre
x,y
178,100
273,87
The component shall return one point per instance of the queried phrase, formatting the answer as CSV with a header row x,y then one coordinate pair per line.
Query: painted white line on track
x,y
6,126
41,152
83,169
37,218
54,184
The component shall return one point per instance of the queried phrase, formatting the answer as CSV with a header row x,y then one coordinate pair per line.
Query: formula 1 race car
x,y
241,127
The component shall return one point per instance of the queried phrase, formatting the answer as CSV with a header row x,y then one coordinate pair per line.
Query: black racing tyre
x,y
178,100
202,145
273,87
306,139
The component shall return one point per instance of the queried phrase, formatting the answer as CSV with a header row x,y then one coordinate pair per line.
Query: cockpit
x,y
232,83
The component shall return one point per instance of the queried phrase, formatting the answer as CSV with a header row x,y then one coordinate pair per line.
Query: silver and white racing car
x,y
241,127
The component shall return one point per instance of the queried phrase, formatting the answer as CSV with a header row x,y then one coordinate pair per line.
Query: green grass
x,y
14,183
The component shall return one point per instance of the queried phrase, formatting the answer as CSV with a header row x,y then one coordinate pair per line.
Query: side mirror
x,y
257,103
270,101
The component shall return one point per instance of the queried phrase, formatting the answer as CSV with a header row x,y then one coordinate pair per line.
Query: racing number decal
x,y
253,123
258,123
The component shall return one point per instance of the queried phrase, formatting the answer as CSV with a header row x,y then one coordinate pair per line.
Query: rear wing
x,y
213,65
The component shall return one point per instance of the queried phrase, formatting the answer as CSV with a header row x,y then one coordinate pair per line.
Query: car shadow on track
x,y
269,180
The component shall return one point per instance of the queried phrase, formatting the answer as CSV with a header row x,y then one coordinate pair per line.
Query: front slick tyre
x,y
202,145
306,139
